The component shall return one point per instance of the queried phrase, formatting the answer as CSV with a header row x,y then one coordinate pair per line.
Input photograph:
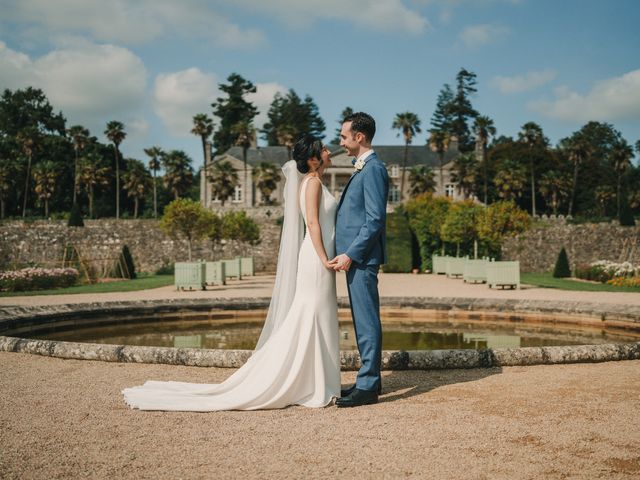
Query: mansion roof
x,y
389,154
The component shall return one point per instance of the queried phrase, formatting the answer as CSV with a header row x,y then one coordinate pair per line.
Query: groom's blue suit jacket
x,y
362,214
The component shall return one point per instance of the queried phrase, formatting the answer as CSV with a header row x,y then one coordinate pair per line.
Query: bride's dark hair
x,y
305,148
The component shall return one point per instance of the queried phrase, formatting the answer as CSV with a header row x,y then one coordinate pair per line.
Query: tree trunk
x,y
404,169
117,185
204,169
486,173
46,208
90,201
26,188
619,187
155,195
441,157
75,178
533,191
245,186
135,207
2,208
573,189
189,247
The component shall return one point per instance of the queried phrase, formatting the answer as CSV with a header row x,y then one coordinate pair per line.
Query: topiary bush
x,y
124,266
626,216
75,217
562,269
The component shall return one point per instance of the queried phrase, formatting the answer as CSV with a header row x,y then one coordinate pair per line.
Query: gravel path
x,y
66,419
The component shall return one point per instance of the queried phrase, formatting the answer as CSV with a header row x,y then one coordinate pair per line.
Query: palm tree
x,y
116,134
578,150
45,175
555,187
91,175
155,153
463,173
27,139
409,124
245,134
604,194
7,175
531,135
266,177
421,180
178,176
510,180
621,155
286,136
79,136
484,128
224,179
203,127
438,142
136,182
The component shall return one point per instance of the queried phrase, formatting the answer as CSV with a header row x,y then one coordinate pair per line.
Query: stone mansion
x,y
336,177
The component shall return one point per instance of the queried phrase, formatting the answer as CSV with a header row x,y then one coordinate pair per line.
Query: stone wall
x,y
42,243
538,249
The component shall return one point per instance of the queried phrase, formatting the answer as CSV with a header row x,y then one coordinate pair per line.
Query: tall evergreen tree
x,y
462,111
301,116
483,128
232,110
345,113
442,118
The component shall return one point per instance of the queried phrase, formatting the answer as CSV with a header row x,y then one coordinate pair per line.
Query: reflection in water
x,y
428,335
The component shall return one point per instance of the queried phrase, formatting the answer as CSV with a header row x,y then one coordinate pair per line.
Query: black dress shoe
x,y
357,399
348,391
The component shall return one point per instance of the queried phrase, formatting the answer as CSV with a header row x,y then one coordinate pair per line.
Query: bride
x,y
297,358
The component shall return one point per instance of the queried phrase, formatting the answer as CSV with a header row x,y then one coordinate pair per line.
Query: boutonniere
x,y
359,165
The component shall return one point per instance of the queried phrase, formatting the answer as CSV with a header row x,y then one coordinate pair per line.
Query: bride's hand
x,y
327,264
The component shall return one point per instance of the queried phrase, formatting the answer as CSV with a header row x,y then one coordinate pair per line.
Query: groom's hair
x,y
363,123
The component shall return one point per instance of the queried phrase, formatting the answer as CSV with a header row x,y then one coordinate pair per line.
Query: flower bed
x,y
604,271
37,279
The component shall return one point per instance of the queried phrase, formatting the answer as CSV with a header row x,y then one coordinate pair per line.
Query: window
x,y
394,194
395,171
449,188
237,194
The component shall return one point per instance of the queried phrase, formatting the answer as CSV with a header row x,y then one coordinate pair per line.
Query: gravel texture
x,y
66,419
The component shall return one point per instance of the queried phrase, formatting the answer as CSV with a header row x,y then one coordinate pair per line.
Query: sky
x,y
154,64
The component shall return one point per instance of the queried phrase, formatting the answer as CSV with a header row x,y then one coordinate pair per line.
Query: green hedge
x,y
399,246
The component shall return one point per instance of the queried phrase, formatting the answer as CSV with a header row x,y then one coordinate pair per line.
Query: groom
x,y
361,245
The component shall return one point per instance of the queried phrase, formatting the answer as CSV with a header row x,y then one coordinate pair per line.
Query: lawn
x,y
546,280
143,282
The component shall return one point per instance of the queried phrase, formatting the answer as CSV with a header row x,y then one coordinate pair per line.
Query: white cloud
x,y
178,96
132,22
612,99
479,35
523,83
90,83
384,15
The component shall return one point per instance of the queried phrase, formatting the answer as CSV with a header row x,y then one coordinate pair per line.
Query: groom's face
x,y
348,139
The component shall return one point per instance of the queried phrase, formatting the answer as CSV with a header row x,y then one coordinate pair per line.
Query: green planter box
x,y
215,273
246,267
475,271
455,266
232,268
189,275
503,274
439,264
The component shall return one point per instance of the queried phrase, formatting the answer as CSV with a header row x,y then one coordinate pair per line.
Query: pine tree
x,y
562,269
462,111
292,113
232,110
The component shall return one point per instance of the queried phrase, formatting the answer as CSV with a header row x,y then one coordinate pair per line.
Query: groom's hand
x,y
341,262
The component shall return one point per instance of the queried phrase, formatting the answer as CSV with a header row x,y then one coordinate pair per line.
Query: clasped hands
x,y
340,263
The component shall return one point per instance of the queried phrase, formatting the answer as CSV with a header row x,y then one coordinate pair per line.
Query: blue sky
x,y
153,64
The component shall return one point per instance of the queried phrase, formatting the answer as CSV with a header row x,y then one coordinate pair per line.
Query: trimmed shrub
x,y
626,216
124,266
562,269
399,246
37,279
75,218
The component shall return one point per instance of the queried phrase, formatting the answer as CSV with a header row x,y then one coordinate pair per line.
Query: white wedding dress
x,y
296,362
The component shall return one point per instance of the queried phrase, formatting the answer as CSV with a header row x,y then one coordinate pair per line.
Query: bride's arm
x,y
313,194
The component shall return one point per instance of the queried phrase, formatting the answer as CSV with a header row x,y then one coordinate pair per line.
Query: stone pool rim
x,y
607,314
